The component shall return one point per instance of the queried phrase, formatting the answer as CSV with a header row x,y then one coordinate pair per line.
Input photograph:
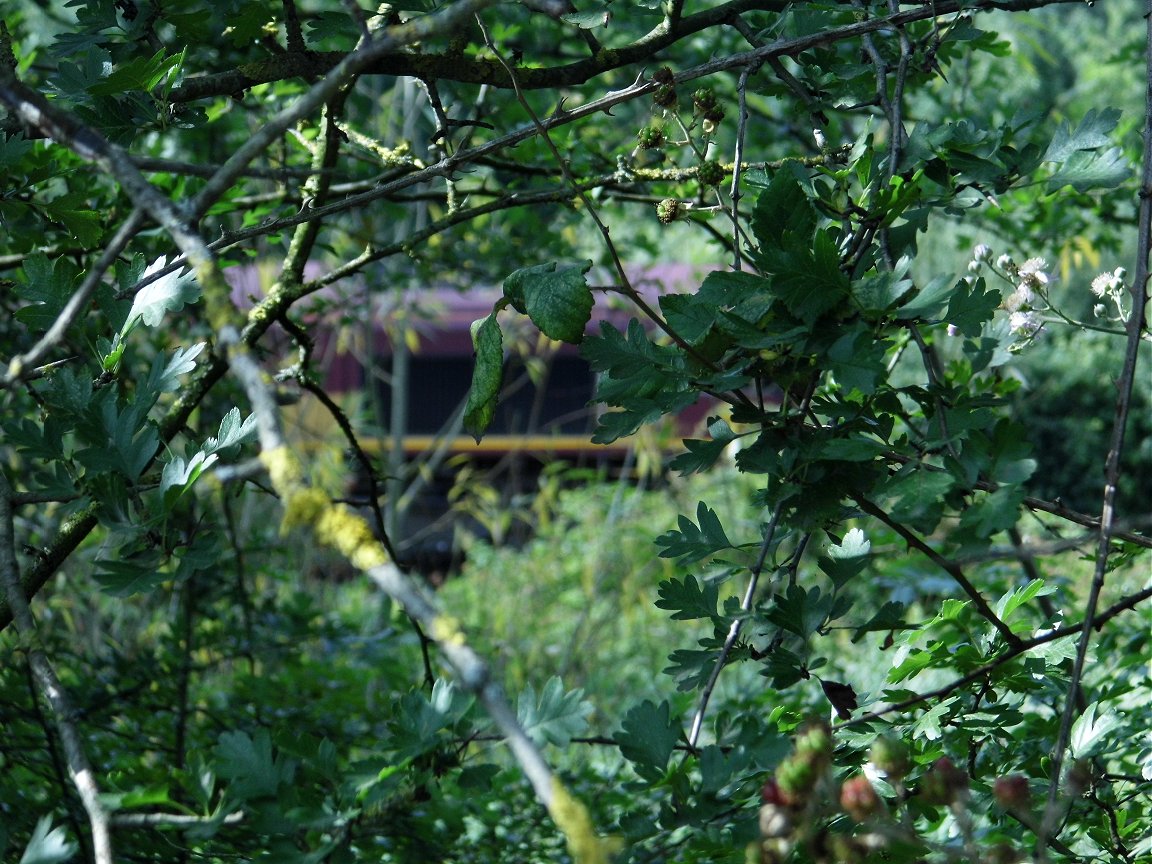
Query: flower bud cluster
x,y
1011,792
669,210
789,795
664,96
711,173
1110,288
651,137
707,105
944,784
892,757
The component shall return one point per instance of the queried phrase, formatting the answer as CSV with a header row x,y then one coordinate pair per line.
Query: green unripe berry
x,y
651,137
891,756
711,173
797,778
943,783
704,100
665,96
816,742
669,210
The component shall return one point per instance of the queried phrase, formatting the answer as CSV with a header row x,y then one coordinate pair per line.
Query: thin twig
x,y
737,161
21,365
1011,653
369,50
734,628
172,820
950,567
1136,325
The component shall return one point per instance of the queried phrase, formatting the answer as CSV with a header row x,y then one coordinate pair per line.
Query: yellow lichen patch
x,y
350,535
334,526
571,817
217,294
446,630
303,508
284,470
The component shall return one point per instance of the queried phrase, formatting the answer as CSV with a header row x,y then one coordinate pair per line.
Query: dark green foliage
x,y
867,642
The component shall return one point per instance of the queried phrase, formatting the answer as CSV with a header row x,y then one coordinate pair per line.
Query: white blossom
x,y
1025,323
1033,274
1106,282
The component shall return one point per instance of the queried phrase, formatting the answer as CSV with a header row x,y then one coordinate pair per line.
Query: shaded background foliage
x,y
233,692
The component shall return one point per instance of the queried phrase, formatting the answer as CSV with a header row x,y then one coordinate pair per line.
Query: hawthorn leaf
x,y
890,616
1091,730
487,376
47,286
1093,133
630,355
178,475
876,293
919,498
165,376
688,599
731,288
784,668
135,573
1014,599
843,561
48,845
689,315
556,298
930,722
141,73
808,281
693,542
856,359
1088,171
232,432
971,306
782,208
700,456
799,611
703,454
648,736
598,17
930,301
169,293
992,512
556,717
86,225
250,764
690,667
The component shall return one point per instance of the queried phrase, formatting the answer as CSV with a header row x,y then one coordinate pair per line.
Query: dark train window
x,y
438,386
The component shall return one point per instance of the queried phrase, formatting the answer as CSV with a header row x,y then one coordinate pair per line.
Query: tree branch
x,y
486,71
60,703
1010,653
950,567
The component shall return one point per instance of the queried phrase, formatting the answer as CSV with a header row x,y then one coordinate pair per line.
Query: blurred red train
x,y
401,363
